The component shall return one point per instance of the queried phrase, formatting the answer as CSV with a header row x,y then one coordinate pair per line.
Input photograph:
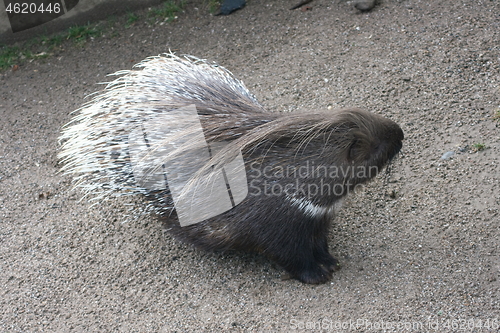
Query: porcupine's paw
x,y
329,263
323,257
314,274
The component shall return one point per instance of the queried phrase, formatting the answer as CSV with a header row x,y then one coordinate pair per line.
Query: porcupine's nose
x,y
399,133
395,138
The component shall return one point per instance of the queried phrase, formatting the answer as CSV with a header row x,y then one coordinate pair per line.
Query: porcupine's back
x,y
95,144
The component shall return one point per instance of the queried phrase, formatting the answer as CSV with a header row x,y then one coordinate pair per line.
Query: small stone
x,y
365,5
43,195
447,155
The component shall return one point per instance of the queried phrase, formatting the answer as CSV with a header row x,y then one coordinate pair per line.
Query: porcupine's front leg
x,y
302,250
323,256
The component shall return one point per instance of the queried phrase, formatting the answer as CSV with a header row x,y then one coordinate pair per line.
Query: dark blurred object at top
x,y
229,6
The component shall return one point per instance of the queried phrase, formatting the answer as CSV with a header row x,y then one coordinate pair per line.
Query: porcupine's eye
x,y
361,150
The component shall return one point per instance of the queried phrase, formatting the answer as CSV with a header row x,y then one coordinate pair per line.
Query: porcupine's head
x,y
363,142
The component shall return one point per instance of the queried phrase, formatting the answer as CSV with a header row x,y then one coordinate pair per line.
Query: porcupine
x,y
298,166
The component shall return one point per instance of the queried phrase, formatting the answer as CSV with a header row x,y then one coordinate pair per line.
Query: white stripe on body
x,y
312,210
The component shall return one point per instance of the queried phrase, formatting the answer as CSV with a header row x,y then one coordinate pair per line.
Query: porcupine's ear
x,y
362,147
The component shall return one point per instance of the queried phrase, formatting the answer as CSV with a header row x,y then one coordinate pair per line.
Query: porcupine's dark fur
x,y
286,214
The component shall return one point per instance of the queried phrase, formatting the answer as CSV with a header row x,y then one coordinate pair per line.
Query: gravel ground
x,y
419,247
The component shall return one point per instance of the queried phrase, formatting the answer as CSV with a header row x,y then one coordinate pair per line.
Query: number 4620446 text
x,y
32,8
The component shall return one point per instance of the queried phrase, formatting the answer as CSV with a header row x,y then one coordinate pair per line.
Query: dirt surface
x,y
419,248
